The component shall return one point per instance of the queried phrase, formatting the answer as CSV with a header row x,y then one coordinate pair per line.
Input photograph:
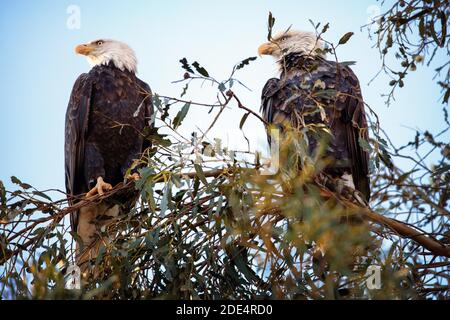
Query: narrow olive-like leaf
x,y
100,255
200,69
2,193
243,119
243,266
77,238
364,144
404,176
181,115
196,186
387,159
185,88
38,231
346,37
200,173
347,63
446,96
42,195
422,29
270,24
165,199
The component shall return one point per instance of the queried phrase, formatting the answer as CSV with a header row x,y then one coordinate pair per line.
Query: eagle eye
x,y
99,43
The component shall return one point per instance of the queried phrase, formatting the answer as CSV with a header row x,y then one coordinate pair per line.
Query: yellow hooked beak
x,y
84,49
267,48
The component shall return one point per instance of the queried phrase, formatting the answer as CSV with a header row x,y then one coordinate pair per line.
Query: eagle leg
x,y
99,188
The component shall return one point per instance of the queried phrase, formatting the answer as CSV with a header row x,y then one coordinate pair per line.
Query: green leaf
x,y
404,176
348,63
231,274
245,62
152,238
176,181
165,199
136,243
433,33
42,195
200,173
181,115
364,144
242,266
422,27
244,118
157,102
270,24
446,96
148,195
100,255
77,238
200,69
346,37
15,180
38,231
185,65
391,252
185,88
387,159
152,135
146,174
196,186
2,193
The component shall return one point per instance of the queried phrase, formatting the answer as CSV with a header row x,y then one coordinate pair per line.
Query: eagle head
x,y
292,41
104,51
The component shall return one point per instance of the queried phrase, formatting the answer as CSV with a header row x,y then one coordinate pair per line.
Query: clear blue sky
x,y
39,66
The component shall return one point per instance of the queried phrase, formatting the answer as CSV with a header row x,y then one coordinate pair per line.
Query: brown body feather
x,y
307,82
107,113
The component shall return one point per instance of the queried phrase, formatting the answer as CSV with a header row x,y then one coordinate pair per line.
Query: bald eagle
x,y
322,92
108,110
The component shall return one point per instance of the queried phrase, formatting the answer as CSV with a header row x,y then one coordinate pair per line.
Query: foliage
x,y
416,31
210,224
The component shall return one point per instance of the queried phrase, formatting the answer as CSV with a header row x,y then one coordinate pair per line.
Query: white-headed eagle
x,y
109,109
305,81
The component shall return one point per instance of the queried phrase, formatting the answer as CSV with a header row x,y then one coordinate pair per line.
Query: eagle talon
x,y
99,188
133,177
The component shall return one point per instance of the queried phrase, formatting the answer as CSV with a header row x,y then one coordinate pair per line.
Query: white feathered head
x,y
292,41
104,51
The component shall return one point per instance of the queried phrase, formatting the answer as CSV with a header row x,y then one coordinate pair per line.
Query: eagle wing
x,y
75,133
273,108
267,96
280,97
354,118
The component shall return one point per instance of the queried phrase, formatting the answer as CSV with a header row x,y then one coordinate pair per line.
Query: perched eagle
x,y
108,110
321,92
